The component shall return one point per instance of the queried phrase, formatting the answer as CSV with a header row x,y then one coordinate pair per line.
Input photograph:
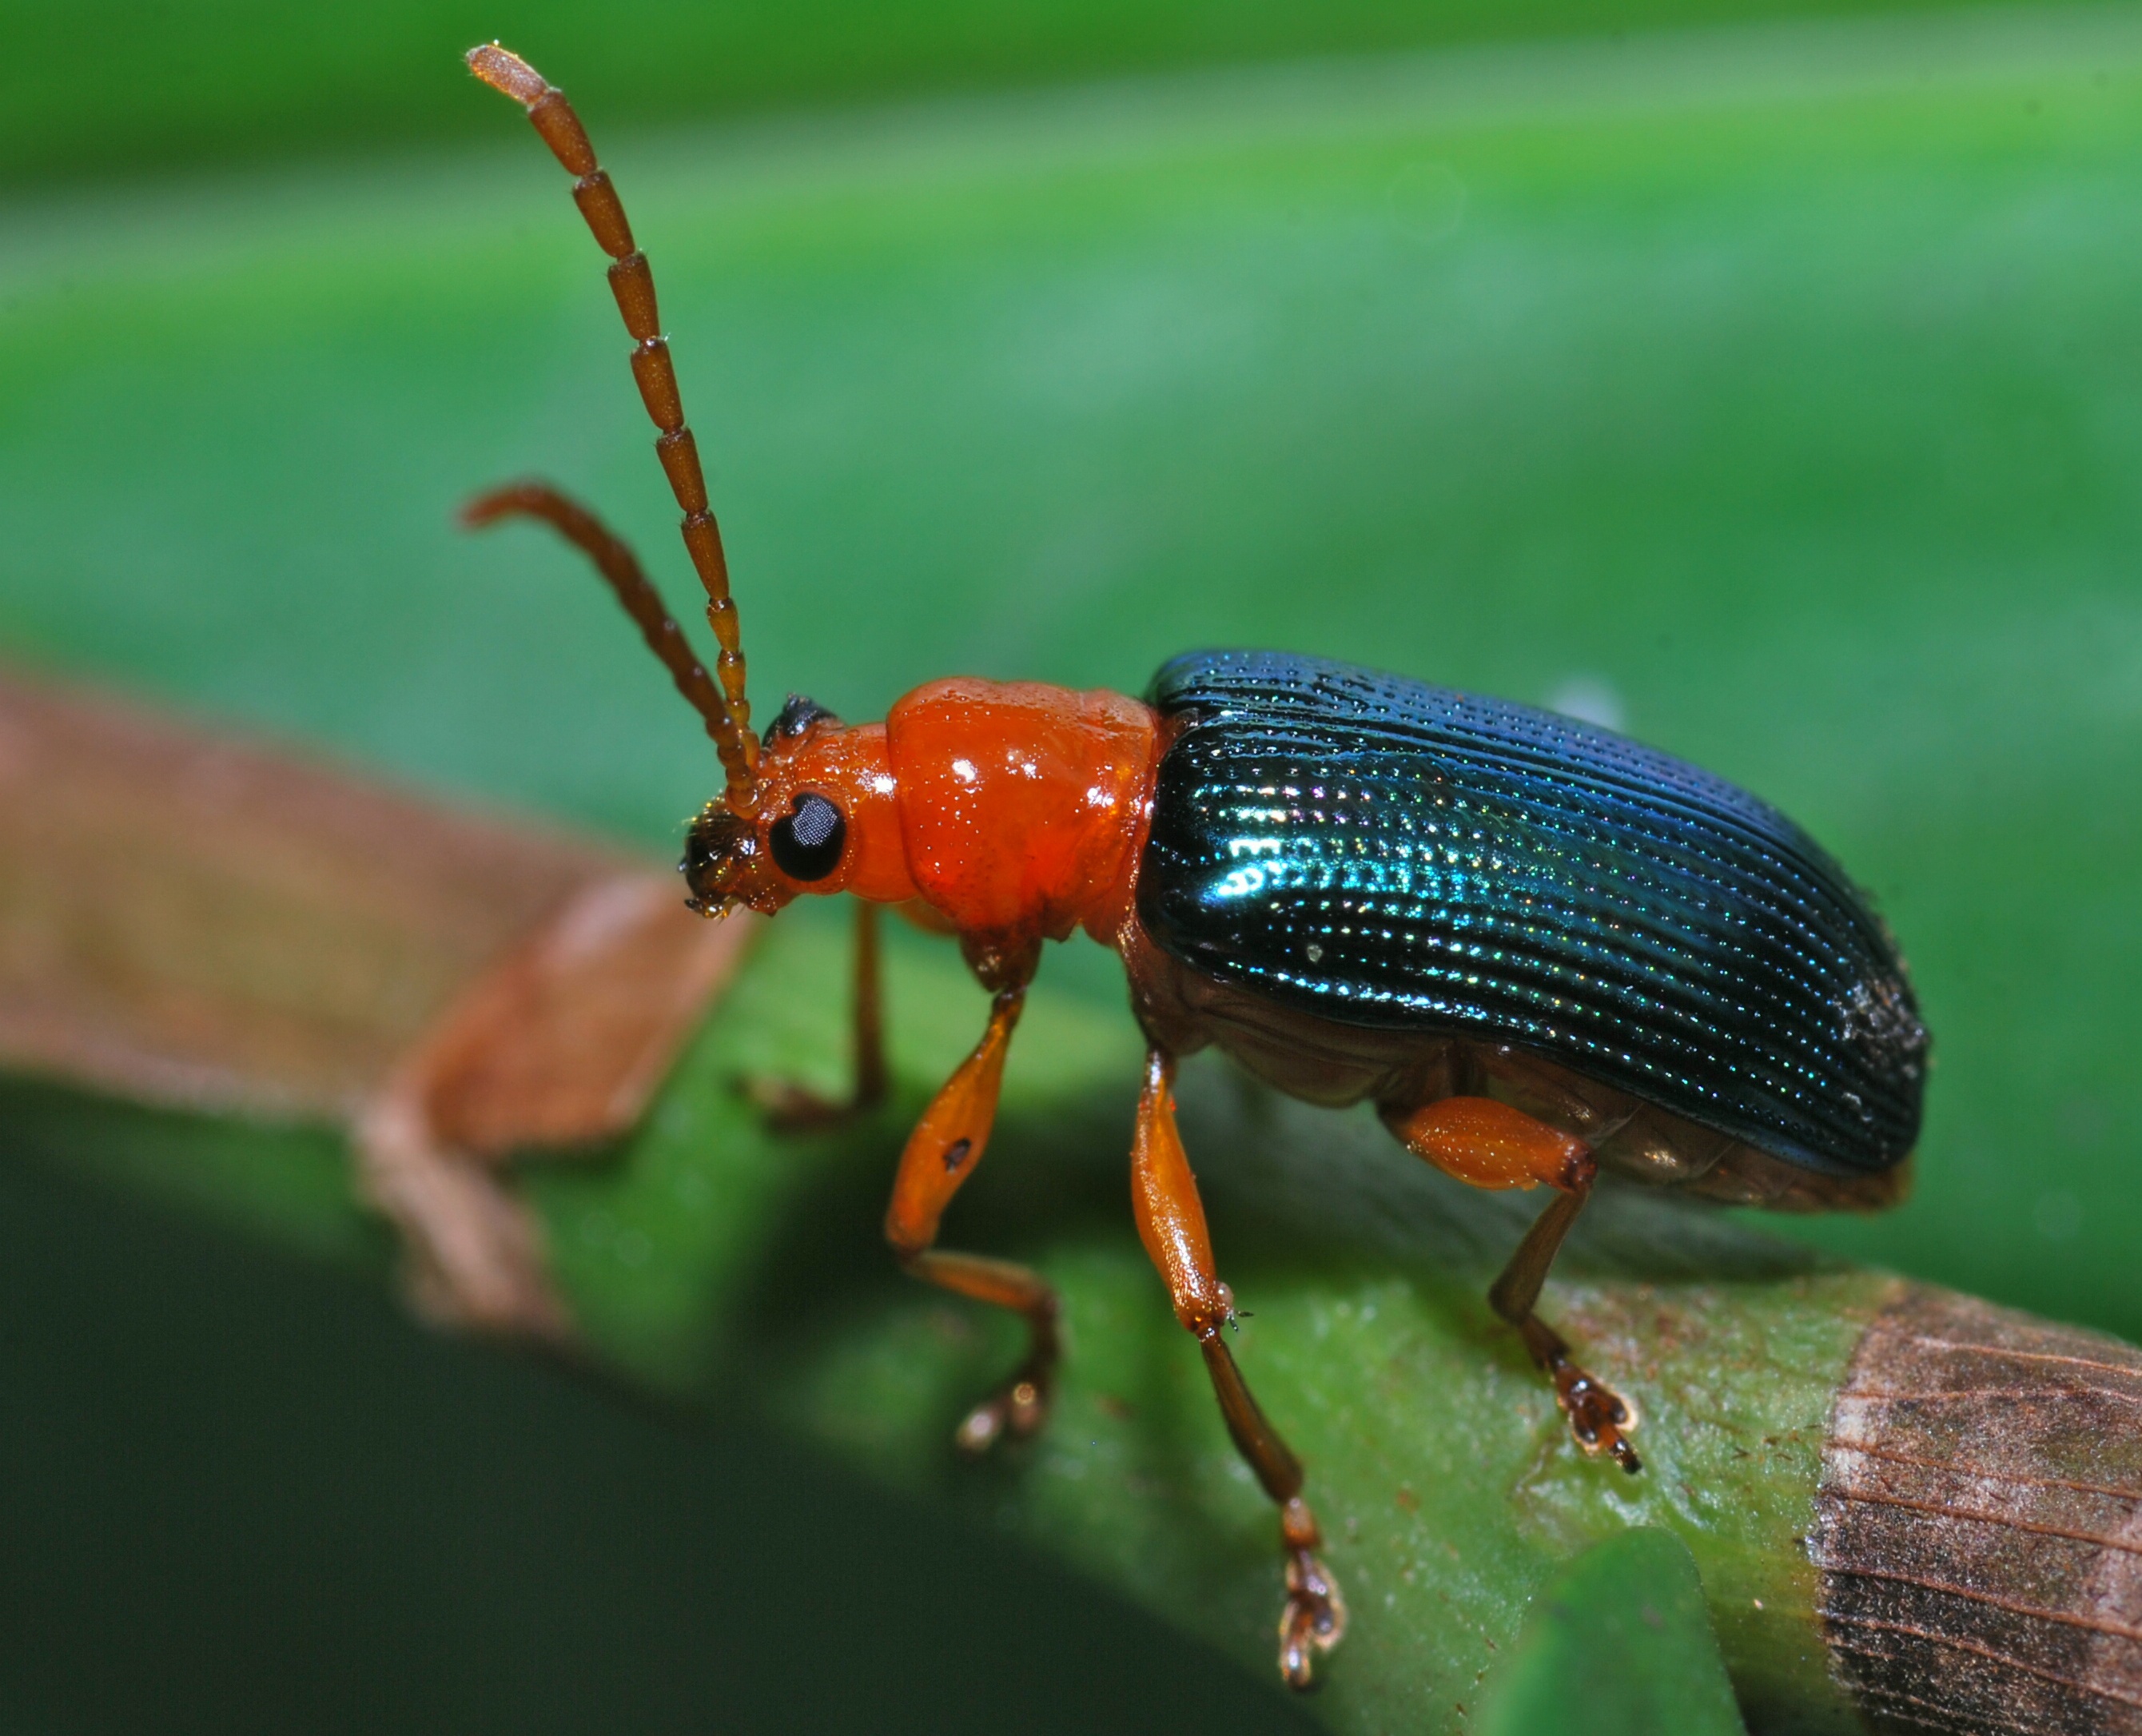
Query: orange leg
x,y
792,1108
1489,1144
1171,1220
943,1150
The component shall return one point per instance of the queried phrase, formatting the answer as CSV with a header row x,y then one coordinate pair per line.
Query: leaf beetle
x,y
1538,948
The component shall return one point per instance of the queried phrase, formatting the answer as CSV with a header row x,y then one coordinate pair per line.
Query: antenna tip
x,y
506,73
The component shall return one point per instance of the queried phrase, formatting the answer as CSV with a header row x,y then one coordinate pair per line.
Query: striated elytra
x,y
1384,853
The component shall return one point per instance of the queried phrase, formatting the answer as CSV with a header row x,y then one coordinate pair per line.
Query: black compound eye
x,y
808,839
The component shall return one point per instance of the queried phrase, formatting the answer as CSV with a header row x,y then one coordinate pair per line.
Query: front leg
x,y
791,1107
1171,1220
943,1150
1489,1144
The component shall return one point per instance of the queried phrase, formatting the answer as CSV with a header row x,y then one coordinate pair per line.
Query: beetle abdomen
x,y
1392,855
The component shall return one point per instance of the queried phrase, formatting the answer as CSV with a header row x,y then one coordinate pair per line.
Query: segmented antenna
x,y
621,568
632,281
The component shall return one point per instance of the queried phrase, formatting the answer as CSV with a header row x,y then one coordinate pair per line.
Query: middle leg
x,y
1171,1220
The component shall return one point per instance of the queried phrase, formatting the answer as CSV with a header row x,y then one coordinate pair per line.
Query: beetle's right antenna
x,y
633,283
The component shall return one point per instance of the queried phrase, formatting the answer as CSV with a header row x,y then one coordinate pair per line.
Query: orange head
x,y
820,819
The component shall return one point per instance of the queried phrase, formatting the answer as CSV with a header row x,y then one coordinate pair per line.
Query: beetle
x,y
1538,948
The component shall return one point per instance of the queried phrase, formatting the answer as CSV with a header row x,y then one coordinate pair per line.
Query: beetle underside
x,y
1323,1061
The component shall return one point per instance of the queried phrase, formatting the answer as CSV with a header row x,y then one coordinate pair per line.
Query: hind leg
x,y
1489,1144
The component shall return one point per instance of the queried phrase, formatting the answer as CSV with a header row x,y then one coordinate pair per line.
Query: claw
x,y
1313,1621
1016,1408
1315,1618
789,1109
1599,1417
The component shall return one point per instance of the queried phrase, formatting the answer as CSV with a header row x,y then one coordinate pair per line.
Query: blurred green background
x,y
1769,384
107,87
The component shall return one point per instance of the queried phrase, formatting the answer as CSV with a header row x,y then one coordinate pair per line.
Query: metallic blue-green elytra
x,y
1384,853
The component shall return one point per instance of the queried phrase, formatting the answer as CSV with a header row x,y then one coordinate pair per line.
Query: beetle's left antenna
x,y
633,283
621,570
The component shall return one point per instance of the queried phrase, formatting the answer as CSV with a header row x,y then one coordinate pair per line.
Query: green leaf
x,y
743,1273
721,1262
1618,1643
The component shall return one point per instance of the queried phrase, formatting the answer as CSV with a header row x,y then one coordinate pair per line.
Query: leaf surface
x,y
1618,1644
